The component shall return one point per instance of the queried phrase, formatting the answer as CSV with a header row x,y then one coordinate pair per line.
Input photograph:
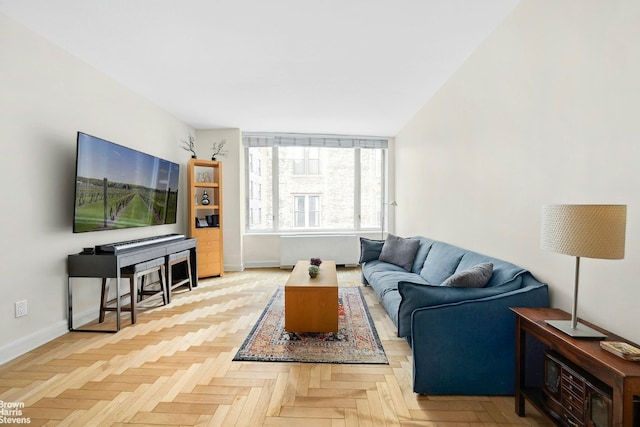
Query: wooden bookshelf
x,y
204,178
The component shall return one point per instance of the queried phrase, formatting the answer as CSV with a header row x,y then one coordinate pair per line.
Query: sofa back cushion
x,y
441,262
421,255
503,272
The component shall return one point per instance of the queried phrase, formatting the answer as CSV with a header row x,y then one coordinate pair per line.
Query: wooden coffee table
x,y
311,305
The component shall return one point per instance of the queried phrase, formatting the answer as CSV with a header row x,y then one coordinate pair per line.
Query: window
x,y
259,192
255,216
370,184
335,183
302,182
306,211
306,160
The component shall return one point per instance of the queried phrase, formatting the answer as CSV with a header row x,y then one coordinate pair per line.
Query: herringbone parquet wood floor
x,y
174,367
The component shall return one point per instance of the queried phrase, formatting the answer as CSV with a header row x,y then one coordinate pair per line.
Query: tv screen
x,y
118,187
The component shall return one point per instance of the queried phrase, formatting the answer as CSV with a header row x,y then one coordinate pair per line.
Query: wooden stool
x,y
183,257
133,273
147,288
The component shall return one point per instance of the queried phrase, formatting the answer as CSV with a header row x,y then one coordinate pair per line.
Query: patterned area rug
x,y
355,342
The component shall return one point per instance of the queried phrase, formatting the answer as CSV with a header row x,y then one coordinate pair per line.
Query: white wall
x,y
46,96
232,189
545,111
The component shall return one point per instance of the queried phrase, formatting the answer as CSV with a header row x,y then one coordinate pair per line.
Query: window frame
x,y
275,175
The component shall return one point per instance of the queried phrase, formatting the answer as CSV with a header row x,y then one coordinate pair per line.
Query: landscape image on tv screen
x,y
118,187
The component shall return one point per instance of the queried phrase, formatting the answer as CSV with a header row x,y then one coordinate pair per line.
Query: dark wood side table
x,y
621,375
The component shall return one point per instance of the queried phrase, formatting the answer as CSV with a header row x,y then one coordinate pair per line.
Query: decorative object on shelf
x,y
567,402
592,231
204,177
622,349
213,220
218,149
205,198
190,145
313,271
315,261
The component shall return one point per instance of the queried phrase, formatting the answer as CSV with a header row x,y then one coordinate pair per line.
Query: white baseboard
x,y
90,315
27,343
262,264
228,267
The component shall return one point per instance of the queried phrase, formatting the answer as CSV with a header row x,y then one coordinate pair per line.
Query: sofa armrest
x,y
415,295
468,347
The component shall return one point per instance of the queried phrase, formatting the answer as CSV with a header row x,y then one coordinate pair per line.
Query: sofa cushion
x,y
382,281
391,301
399,251
370,268
370,249
423,250
503,271
442,261
475,277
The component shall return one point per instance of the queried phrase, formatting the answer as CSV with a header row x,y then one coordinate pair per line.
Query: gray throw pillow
x,y
399,251
475,277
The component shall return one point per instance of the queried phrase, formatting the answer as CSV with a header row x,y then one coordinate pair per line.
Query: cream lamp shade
x,y
590,231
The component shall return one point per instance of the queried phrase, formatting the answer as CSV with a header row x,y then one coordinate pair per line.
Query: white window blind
x,y
251,139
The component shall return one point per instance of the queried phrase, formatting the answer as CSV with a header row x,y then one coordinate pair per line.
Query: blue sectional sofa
x,y
462,338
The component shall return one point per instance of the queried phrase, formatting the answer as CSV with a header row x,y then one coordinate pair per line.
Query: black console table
x,y
108,265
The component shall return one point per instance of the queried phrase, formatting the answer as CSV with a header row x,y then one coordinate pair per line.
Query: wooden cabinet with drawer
x,y
209,248
573,397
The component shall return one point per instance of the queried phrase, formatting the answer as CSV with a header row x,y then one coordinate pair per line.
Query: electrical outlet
x,y
21,308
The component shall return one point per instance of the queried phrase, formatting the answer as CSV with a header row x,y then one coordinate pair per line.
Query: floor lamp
x,y
391,203
591,231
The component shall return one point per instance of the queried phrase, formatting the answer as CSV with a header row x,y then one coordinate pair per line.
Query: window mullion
x,y
357,199
275,188
383,191
307,167
307,211
247,165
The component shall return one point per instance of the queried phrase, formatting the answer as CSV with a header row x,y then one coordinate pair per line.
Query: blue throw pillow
x,y
370,249
475,277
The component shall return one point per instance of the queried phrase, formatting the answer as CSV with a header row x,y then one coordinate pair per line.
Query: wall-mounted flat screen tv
x,y
118,187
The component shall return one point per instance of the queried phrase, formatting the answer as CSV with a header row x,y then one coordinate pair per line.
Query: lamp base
x,y
580,331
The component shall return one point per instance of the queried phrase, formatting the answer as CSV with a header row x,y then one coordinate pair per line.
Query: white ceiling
x,y
358,67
